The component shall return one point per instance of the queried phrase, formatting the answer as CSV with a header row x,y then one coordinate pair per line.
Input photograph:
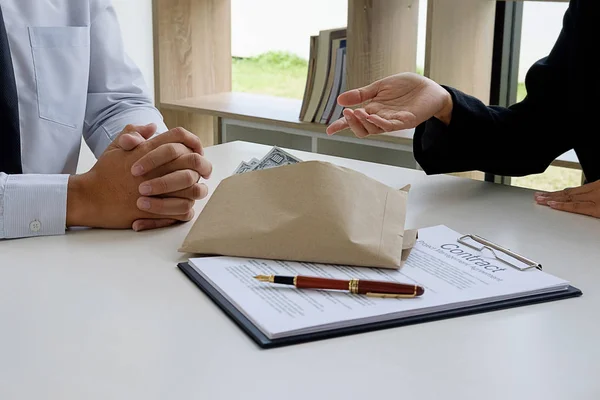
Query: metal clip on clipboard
x,y
487,245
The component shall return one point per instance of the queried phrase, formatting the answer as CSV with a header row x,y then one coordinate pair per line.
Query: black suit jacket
x,y
558,114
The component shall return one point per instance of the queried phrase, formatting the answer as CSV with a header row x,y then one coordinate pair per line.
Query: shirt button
x,y
35,226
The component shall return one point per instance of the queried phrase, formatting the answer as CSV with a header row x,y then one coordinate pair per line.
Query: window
x,y
542,22
271,42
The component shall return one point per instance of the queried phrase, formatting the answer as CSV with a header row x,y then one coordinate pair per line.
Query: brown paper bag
x,y
311,211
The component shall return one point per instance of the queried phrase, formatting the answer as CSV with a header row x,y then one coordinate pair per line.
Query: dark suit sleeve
x,y
515,141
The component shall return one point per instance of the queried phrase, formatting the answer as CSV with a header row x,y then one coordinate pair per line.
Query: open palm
x,y
401,101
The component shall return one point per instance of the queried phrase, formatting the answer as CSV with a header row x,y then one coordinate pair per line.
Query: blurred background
x,y
272,57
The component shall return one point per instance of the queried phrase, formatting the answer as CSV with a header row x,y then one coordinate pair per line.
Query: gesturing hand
x,y
581,200
398,102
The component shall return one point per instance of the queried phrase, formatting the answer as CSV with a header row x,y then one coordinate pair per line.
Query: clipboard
x,y
480,244
458,309
255,334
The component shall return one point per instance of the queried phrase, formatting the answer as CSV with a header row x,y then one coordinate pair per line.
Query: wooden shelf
x,y
193,62
263,109
249,107
459,45
193,59
374,48
283,112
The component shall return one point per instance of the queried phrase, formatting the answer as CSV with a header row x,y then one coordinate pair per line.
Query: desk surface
x,y
107,315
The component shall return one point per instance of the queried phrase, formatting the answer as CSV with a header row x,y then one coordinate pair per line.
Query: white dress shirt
x,y
73,80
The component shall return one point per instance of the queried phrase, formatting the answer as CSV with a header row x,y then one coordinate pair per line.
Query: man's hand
x,y
398,102
581,200
173,169
132,137
113,193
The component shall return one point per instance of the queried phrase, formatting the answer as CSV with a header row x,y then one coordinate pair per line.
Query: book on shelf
x,y
333,85
337,110
324,76
310,75
336,45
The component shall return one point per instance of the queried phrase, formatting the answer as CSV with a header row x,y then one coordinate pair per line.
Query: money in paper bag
x,y
311,211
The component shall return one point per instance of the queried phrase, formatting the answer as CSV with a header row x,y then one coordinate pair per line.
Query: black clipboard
x,y
264,342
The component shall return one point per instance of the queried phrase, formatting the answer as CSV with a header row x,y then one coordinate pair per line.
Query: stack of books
x,y
326,78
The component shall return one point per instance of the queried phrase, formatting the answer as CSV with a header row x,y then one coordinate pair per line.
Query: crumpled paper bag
x,y
312,211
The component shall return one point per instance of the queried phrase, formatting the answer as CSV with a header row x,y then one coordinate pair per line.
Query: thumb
x,y
358,96
146,131
134,135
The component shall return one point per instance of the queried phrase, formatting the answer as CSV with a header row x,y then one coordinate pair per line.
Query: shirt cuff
x,y
107,133
430,135
35,205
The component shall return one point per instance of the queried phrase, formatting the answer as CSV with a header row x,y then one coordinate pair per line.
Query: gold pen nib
x,y
265,278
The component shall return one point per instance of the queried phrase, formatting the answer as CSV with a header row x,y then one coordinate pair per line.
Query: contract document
x,y
455,277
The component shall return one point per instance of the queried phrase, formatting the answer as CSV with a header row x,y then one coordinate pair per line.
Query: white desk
x,y
107,315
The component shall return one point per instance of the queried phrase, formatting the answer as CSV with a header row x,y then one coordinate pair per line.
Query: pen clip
x,y
487,245
390,295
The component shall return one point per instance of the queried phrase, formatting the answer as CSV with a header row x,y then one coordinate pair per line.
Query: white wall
x,y
135,18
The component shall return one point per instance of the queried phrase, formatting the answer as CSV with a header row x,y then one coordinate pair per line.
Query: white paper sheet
x,y
453,276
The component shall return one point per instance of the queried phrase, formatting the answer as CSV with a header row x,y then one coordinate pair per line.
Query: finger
x,y
337,126
358,96
569,191
148,224
556,197
407,119
178,135
542,200
362,116
578,207
547,195
165,206
172,182
158,157
147,131
568,198
385,125
193,161
197,191
355,125
388,125
134,135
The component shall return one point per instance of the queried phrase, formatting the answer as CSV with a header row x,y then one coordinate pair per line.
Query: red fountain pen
x,y
356,286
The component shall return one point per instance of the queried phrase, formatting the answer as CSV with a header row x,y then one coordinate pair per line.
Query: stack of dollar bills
x,y
275,158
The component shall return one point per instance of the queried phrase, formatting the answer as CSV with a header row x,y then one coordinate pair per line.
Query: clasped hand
x,y
141,183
